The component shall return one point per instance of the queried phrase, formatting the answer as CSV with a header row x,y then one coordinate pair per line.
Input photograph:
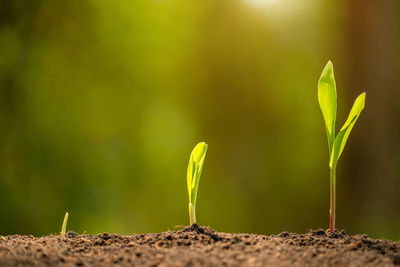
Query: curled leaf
x,y
195,168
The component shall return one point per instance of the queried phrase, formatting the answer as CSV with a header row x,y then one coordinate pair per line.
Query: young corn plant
x,y
327,99
64,225
195,167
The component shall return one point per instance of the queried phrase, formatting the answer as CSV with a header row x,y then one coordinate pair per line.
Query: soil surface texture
x,y
199,246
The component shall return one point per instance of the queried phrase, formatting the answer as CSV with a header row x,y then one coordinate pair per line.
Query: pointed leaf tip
x,y
327,74
363,96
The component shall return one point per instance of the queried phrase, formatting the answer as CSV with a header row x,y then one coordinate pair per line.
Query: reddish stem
x,y
332,211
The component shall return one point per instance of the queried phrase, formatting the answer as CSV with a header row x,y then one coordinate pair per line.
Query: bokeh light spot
x,y
260,3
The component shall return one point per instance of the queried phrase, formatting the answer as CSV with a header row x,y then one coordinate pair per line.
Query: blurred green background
x,y
101,103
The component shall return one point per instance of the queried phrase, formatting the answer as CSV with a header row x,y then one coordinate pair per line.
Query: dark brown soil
x,y
199,246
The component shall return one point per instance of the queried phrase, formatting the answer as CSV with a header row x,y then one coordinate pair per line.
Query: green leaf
x,y
343,135
327,99
195,168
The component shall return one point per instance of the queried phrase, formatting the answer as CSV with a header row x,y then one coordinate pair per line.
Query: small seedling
x,y
327,99
195,167
64,225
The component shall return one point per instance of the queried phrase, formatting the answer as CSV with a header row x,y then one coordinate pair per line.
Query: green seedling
x,y
327,99
195,167
64,225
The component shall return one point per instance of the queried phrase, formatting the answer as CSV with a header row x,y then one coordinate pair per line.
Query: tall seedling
x,y
195,167
327,99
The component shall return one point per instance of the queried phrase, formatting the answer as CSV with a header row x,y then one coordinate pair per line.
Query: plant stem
x,y
332,211
192,214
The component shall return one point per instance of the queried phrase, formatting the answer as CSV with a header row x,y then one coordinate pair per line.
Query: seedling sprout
x,y
64,225
327,99
195,167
